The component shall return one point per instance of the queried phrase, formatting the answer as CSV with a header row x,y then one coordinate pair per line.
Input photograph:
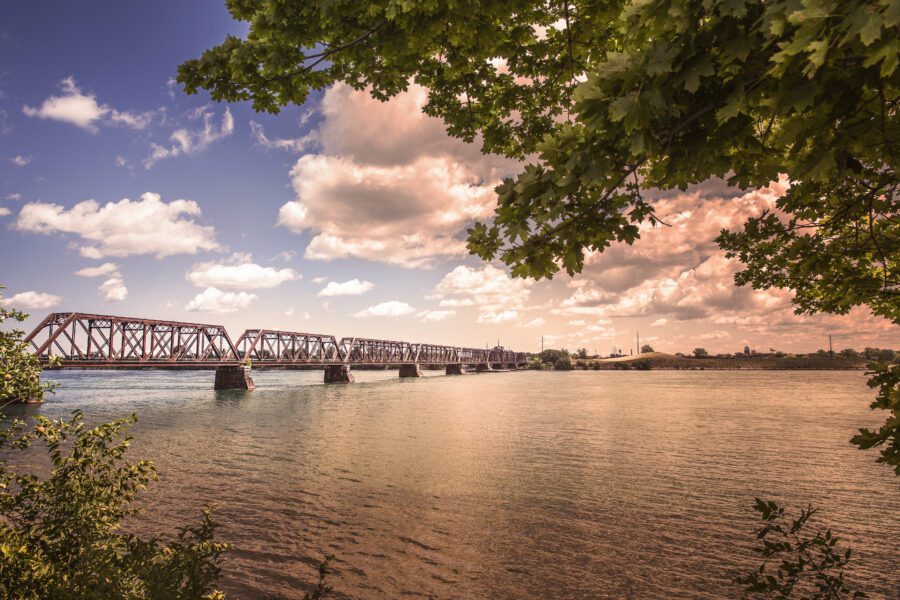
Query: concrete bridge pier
x,y
338,374
454,369
482,368
411,370
233,378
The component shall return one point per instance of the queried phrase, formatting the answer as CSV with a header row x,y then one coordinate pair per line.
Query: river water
x,y
504,485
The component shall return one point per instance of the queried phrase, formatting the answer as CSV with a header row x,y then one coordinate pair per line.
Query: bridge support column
x,y
454,369
338,374
233,378
410,371
511,366
482,368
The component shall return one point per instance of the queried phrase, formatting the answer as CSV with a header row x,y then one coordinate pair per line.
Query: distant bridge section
x,y
82,340
266,347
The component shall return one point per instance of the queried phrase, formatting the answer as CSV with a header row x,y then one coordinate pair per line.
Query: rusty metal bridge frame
x,y
82,340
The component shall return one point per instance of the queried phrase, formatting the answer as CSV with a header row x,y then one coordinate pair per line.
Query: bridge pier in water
x,y
233,377
410,370
338,374
454,369
482,368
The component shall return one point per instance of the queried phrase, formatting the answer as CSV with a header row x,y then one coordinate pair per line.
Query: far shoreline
x,y
670,362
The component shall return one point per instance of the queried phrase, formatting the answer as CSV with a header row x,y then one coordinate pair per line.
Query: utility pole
x,y
830,348
542,344
638,341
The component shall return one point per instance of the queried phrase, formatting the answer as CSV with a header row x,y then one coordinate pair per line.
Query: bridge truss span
x,y
84,340
102,341
266,346
357,351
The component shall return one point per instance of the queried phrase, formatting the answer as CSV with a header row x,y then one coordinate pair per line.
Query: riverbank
x,y
661,360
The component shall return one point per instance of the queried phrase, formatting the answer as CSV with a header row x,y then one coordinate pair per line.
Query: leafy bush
x,y
812,566
887,379
59,535
20,370
563,363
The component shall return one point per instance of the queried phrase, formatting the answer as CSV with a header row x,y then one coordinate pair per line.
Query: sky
x,y
119,194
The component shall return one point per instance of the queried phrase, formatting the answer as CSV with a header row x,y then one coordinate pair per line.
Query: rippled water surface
x,y
504,485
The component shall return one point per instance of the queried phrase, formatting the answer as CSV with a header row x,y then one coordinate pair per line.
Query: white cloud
x,y
389,184
718,334
456,302
188,141
83,110
659,322
32,300
214,300
113,289
239,273
296,145
20,161
678,272
354,287
285,255
536,322
14,196
432,316
104,269
498,296
391,308
144,226
502,316
4,211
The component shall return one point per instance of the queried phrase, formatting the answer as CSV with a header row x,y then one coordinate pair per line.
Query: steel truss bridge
x,y
81,340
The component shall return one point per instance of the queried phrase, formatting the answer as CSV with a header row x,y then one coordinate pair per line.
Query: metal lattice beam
x,y
104,341
265,346
81,339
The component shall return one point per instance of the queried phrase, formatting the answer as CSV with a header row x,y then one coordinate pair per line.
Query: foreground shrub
x,y
797,564
887,379
20,370
59,534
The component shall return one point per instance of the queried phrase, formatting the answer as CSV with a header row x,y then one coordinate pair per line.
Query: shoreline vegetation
x,y
662,360
562,360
